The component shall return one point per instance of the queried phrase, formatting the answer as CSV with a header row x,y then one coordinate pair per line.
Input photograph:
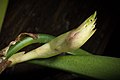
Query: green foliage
x,y
3,7
42,38
98,67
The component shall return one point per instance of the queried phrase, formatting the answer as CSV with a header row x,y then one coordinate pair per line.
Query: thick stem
x,y
66,42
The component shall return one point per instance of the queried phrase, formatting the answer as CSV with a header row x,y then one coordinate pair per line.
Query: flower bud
x,y
75,38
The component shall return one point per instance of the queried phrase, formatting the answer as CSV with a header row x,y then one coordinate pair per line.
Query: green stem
x,y
42,38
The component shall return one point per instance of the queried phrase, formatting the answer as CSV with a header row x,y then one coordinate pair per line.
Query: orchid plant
x,y
79,61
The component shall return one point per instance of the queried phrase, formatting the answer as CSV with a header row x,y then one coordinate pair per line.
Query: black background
x,y
56,17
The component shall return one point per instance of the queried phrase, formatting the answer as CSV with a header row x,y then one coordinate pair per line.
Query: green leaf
x,y
98,67
3,7
80,52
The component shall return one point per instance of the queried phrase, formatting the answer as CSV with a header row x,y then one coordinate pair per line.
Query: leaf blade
x,y
100,67
3,7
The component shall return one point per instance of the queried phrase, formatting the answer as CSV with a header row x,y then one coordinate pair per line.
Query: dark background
x,y
56,17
